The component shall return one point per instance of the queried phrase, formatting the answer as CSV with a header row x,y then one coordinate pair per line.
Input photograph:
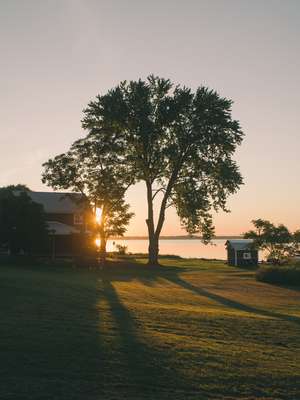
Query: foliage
x,y
178,142
95,168
122,249
22,222
287,274
279,242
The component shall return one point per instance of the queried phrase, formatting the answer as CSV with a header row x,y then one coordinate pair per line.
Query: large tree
x,y
22,221
94,168
179,142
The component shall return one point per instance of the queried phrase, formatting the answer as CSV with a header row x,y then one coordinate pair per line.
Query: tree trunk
x,y
153,238
102,250
152,232
153,251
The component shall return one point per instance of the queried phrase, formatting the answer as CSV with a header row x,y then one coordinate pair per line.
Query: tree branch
x,y
168,190
157,191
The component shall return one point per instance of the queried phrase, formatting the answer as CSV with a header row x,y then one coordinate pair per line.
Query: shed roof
x,y
240,244
58,228
58,202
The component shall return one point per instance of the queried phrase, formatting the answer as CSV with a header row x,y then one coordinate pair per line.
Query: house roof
x,y
58,202
58,228
239,244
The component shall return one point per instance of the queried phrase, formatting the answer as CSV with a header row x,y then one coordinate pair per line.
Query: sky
x,y
57,55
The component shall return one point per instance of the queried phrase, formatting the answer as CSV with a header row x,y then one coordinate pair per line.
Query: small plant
x,y
121,249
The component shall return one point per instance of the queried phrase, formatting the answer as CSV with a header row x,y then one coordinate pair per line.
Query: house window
x,y
78,219
247,256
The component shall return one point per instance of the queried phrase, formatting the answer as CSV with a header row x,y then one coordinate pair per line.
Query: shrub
x,y
122,250
287,274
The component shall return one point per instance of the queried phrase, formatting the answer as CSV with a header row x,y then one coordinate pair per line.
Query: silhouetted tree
x,y
22,222
94,168
178,142
278,241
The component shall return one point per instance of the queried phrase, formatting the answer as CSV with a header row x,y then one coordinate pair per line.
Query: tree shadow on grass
x,y
228,302
149,372
52,346
149,275
49,342
54,342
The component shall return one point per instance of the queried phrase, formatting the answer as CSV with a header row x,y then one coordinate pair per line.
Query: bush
x,y
122,250
287,274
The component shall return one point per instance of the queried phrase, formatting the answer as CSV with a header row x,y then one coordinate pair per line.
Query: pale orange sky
x,y
57,55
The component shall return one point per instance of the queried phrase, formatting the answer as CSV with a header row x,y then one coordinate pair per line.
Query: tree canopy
x,y
94,168
278,241
22,222
179,142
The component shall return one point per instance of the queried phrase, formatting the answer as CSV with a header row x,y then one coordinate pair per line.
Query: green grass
x,y
189,330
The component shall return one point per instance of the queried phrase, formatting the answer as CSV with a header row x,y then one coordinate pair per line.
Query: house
x,y
69,221
241,252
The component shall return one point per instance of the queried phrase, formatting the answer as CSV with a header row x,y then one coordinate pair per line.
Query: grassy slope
x,y
199,330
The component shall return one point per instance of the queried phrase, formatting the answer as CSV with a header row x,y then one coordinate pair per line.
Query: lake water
x,y
188,248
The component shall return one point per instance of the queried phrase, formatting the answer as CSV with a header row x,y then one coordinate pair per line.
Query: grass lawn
x,y
190,330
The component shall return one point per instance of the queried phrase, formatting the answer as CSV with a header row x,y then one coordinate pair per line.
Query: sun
x,y
98,215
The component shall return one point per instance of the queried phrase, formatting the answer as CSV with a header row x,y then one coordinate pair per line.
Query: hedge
x,y
287,274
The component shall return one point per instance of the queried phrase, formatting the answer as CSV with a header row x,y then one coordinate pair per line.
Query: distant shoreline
x,y
175,237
